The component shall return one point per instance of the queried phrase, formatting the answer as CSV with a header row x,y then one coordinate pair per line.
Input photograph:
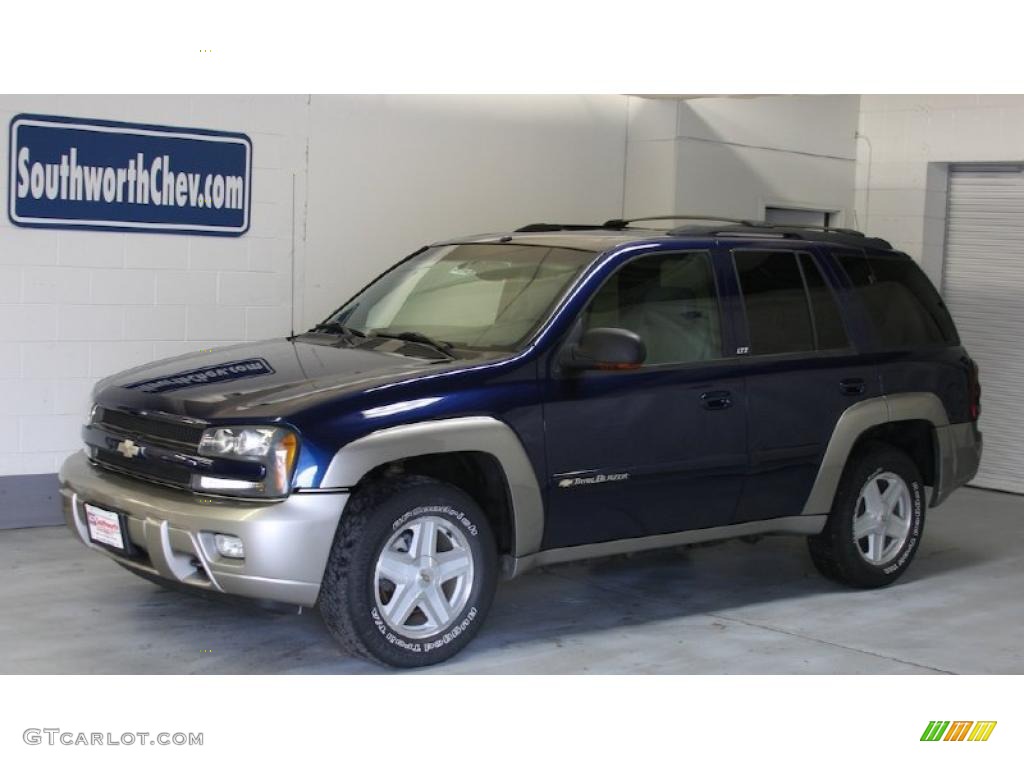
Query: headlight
x,y
229,441
273,447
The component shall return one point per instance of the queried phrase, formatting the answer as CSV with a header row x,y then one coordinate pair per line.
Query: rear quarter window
x,y
902,304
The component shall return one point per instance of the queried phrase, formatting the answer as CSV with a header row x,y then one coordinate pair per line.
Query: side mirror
x,y
606,349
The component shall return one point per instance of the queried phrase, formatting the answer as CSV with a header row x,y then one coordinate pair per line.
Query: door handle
x,y
852,386
717,400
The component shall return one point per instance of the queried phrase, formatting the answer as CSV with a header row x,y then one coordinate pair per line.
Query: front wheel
x,y
411,574
876,522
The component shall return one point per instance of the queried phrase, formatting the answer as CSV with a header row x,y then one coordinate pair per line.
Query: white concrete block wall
x,y
907,145
77,306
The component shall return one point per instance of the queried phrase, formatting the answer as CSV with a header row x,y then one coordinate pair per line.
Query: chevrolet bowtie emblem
x,y
128,449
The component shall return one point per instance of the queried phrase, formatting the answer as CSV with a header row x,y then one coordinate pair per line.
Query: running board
x,y
806,525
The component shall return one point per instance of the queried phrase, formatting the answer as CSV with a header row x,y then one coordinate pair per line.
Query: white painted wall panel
x,y
391,173
813,125
735,156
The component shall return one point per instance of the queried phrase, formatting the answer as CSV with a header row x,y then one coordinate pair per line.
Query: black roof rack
x,y
838,235
623,223
558,227
733,228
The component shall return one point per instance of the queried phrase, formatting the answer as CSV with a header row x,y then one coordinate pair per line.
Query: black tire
x,y
348,603
835,552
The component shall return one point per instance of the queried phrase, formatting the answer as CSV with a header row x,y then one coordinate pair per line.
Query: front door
x,y
659,449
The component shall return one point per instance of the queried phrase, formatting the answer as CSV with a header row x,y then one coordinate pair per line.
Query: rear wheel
x,y
412,573
876,522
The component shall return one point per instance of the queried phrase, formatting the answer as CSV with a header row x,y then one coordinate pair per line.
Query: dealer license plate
x,y
104,527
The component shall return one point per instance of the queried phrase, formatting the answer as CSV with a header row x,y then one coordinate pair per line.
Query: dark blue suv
x,y
495,403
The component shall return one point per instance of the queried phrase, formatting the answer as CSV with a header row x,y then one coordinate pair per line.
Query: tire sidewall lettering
x,y
408,645
917,502
453,632
441,509
415,646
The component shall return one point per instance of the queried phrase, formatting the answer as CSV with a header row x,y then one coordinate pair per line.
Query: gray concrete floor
x,y
725,608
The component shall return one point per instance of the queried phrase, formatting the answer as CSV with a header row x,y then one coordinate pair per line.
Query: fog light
x,y
229,546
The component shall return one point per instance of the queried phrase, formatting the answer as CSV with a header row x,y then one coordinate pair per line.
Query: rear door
x,y
912,336
802,373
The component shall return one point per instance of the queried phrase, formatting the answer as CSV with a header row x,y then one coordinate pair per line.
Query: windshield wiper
x,y
444,347
333,326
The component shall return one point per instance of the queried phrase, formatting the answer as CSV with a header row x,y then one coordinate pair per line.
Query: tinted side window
x,y
828,324
778,317
669,300
904,306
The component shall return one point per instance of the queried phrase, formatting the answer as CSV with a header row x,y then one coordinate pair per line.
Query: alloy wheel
x,y
424,577
882,518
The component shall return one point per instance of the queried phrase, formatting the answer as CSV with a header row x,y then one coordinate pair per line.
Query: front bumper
x,y
286,542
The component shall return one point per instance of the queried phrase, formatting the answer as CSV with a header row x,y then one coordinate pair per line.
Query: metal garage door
x,y
983,284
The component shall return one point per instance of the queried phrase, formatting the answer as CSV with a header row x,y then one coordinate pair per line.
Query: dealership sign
x,y
99,174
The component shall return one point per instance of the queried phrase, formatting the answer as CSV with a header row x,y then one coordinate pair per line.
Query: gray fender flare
x,y
862,416
482,434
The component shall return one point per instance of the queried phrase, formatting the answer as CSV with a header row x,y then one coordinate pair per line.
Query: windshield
x,y
477,296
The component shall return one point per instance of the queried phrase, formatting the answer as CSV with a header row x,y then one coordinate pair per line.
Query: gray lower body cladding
x,y
959,448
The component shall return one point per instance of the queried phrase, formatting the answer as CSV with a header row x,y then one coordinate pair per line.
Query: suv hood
x,y
260,379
